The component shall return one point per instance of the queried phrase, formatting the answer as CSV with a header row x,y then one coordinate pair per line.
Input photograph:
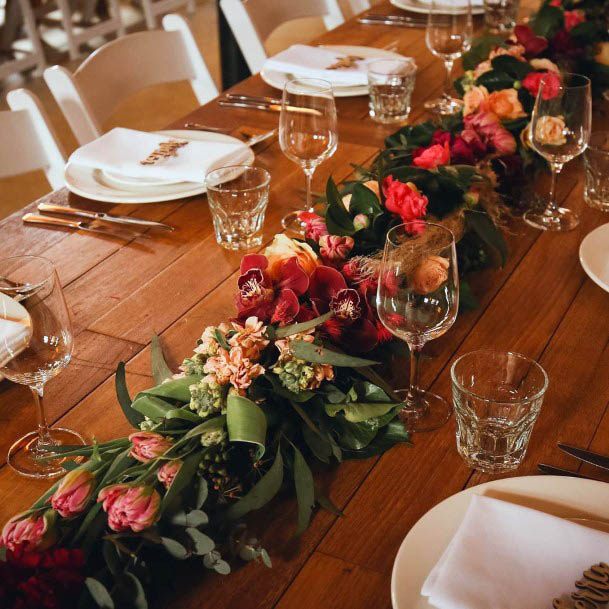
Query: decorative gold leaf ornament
x,y
348,61
165,150
592,590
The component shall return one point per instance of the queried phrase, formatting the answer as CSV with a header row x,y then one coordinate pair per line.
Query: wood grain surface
x,y
120,292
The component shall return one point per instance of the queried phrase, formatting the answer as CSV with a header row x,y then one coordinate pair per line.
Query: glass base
x,y
24,455
433,413
560,219
290,222
444,106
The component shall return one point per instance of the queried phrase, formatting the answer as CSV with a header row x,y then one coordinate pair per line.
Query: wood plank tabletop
x,y
121,292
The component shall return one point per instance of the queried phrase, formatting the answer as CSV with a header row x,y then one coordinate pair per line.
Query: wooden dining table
x,y
121,292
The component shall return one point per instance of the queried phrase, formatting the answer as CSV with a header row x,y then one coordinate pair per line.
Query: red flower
x,y
556,3
573,18
441,137
350,325
315,226
563,44
432,156
533,45
467,148
404,199
259,296
532,81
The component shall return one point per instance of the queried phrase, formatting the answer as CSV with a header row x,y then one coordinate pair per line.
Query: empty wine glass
x,y
448,35
307,132
417,301
35,346
560,130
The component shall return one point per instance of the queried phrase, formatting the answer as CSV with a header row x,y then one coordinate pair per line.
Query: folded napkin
x,y
313,62
15,329
505,556
122,150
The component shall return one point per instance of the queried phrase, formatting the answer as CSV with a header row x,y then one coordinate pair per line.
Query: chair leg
x,y
66,20
149,14
31,29
115,12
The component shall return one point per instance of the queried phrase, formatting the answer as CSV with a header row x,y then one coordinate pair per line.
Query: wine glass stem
x,y
43,427
309,171
412,397
448,63
552,206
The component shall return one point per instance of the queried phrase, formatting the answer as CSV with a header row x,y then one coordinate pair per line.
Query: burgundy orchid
x,y
533,44
271,302
350,324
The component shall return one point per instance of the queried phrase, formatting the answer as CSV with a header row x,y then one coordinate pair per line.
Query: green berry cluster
x,y
296,375
207,397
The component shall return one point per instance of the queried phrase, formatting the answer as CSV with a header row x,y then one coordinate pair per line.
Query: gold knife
x,y
73,224
269,107
100,215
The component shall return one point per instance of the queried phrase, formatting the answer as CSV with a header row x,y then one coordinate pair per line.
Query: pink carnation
x,y
334,248
431,157
314,225
551,84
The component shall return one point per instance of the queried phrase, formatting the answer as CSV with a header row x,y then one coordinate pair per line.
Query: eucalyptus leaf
x,y
305,491
221,567
246,422
266,488
202,492
322,355
194,518
131,591
111,557
318,445
160,369
203,544
99,593
174,548
122,394
304,326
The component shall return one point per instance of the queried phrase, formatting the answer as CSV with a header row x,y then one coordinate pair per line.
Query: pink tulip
x,y
73,493
168,472
130,507
148,445
33,532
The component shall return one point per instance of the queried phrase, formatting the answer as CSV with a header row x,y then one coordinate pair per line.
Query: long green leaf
x,y
151,406
246,422
176,389
262,492
305,491
184,414
356,412
302,326
322,355
121,462
122,393
99,593
160,369
215,424
182,479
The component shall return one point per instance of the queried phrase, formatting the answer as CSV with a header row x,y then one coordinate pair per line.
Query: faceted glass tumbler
x,y
497,398
596,163
238,196
391,83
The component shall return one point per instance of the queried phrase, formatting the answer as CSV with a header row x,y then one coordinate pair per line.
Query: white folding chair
x,y
124,66
154,8
28,141
357,6
252,21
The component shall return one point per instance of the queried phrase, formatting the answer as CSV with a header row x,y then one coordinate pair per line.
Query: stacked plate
x,y
423,6
109,187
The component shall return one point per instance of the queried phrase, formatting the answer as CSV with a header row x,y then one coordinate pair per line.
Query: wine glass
x,y
448,35
560,130
307,132
417,301
35,346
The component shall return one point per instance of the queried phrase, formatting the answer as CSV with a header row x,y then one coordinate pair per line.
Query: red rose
x,y
468,148
404,199
431,157
532,82
563,44
533,45
441,137
573,18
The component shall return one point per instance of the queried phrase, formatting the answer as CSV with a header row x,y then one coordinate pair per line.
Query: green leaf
x,y
246,422
467,299
548,21
202,492
131,591
151,406
327,504
203,544
182,479
174,548
305,491
302,326
495,80
99,593
121,462
85,525
160,369
482,224
318,445
176,389
122,394
221,339
194,518
387,437
322,355
184,414
358,412
373,376
480,50
266,488
510,65
111,557
364,201
338,219
215,424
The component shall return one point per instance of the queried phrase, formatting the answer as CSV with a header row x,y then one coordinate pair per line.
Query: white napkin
x,y
313,62
121,151
15,329
505,556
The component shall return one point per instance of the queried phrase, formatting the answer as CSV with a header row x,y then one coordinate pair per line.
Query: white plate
x,y
423,7
278,79
594,256
420,551
99,186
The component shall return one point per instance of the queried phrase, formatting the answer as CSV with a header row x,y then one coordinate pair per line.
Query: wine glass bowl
x,y
307,132
418,301
561,124
36,344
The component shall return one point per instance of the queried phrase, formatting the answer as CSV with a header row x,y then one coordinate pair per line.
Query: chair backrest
x,y
28,141
252,21
357,6
124,66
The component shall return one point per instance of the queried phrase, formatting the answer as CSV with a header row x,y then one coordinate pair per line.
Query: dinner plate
x,y
101,186
572,498
13,313
416,6
594,256
278,79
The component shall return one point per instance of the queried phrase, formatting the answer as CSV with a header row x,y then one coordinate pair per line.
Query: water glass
x,y
596,163
497,397
238,196
391,82
500,15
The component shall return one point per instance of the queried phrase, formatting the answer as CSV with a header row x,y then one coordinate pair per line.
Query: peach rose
x,y
482,68
602,53
550,131
282,248
505,104
544,64
475,99
430,274
513,50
